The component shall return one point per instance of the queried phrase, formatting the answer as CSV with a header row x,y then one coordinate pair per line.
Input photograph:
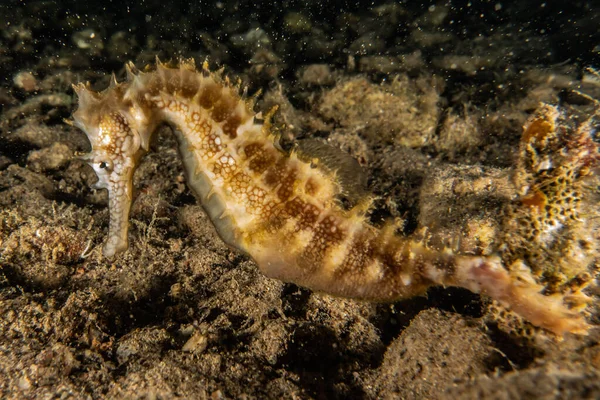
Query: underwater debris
x,y
550,232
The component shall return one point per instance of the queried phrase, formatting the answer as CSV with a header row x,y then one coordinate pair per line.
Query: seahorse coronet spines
x,y
252,100
159,64
77,87
131,71
113,81
86,96
188,64
268,116
238,86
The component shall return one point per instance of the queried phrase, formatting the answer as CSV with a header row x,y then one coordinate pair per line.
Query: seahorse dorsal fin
x,y
348,173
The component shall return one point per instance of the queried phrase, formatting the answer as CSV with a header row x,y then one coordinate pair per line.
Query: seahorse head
x,y
118,134
106,118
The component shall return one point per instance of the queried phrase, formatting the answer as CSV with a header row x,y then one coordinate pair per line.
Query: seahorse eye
x,y
105,165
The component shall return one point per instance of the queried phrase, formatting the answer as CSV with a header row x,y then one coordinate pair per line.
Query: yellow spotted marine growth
x,y
552,225
273,206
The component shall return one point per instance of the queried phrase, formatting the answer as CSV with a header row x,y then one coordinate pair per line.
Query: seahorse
x,y
272,205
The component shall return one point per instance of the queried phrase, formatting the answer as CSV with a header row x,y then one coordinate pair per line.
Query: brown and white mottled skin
x,y
272,206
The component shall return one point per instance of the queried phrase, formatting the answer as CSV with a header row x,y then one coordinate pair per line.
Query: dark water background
x,y
547,32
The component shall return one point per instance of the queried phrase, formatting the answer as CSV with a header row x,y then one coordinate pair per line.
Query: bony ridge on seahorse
x,y
273,206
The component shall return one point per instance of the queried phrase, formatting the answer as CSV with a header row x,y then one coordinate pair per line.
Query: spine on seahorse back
x,y
273,206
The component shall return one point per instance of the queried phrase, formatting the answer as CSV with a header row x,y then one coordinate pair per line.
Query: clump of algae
x,y
402,112
550,231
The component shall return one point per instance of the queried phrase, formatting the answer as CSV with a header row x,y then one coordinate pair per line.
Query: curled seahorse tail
x,y
488,276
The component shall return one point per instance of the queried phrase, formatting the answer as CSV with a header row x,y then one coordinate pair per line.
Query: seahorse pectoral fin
x,y
488,276
341,167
